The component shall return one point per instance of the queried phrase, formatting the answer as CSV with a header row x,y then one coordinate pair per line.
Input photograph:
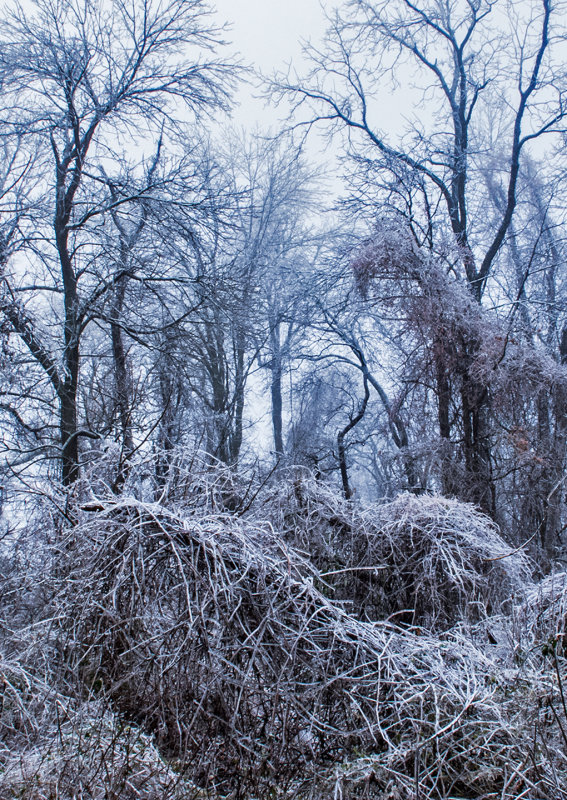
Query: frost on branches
x,y
306,648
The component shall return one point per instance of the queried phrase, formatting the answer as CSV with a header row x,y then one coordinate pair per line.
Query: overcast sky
x,y
267,34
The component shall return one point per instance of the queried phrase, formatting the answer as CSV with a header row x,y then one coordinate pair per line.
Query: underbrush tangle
x,y
420,560
188,653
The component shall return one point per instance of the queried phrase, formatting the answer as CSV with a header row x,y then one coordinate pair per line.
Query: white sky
x,y
267,34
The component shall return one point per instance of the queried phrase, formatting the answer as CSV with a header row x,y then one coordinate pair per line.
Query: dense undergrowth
x,y
296,646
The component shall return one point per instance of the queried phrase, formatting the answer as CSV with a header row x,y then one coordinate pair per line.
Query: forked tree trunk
x,y
347,491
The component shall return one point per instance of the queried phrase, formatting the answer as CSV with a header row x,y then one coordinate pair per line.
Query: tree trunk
x,y
347,491
170,397
69,386
239,386
276,390
122,384
277,409
68,424
444,418
478,485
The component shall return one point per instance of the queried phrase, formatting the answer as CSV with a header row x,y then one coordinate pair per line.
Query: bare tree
x,y
77,81
246,268
284,245
534,418
466,59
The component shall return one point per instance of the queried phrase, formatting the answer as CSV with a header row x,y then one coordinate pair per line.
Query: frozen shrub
x,y
542,617
86,752
20,705
192,655
54,745
419,560
210,634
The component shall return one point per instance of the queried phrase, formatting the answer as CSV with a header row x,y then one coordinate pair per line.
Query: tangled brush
x,y
419,560
541,619
85,751
212,636
192,655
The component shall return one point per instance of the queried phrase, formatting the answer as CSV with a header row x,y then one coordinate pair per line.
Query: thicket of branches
x,y
282,481
150,652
